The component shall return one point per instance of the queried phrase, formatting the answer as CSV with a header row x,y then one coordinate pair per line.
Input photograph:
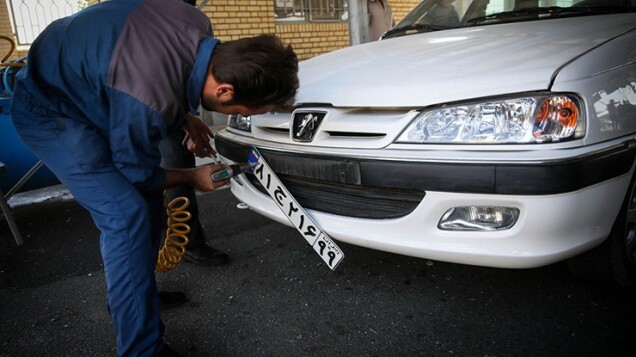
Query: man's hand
x,y
199,177
198,136
203,177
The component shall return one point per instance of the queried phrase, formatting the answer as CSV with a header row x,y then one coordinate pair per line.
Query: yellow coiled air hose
x,y
177,230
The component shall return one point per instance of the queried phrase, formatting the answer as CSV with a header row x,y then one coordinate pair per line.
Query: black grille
x,y
347,199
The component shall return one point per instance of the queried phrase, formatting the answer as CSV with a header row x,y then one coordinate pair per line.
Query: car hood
x,y
446,66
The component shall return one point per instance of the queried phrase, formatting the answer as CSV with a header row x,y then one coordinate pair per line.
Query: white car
x,y
501,136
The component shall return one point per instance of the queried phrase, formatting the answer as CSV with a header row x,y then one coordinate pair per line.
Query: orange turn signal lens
x,y
560,109
557,118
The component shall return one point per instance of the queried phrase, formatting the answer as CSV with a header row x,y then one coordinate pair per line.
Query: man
x,y
100,91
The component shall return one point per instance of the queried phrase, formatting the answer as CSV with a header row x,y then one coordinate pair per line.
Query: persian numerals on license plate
x,y
315,236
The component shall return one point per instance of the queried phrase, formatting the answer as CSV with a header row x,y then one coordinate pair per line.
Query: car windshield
x,y
435,15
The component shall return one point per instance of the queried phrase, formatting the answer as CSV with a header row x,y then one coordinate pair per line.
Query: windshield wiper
x,y
404,30
552,11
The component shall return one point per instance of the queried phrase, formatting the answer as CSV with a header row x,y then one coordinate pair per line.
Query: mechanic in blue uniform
x,y
100,91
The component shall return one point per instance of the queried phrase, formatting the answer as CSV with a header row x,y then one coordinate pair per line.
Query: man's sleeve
x,y
135,133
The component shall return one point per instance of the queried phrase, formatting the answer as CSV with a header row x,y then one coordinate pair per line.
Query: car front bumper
x,y
566,206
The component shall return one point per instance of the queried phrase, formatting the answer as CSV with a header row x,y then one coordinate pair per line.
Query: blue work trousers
x,y
129,220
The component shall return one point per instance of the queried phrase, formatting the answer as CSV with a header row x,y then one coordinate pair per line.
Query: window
x,y
310,10
30,17
509,5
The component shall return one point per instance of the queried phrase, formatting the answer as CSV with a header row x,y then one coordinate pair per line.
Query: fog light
x,y
478,218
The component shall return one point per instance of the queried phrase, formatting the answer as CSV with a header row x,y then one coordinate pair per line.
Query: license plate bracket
x,y
347,172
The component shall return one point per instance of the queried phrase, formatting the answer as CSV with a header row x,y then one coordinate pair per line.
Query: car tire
x,y
614,261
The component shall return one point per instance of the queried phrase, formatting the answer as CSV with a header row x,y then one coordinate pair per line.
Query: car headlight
x,y
239,122
531,119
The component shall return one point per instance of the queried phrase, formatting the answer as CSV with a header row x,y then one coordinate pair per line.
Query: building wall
x,y
7,30
312,39
233,19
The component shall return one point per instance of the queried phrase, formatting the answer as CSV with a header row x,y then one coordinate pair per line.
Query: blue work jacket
x,y
130,68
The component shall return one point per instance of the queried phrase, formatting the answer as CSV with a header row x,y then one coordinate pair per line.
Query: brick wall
x,y
6,30
234,19
312,39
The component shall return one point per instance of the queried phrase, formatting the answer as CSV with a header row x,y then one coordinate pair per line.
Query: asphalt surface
x,y
277,298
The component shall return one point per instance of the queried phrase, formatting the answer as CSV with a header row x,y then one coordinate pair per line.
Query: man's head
x,y
250,73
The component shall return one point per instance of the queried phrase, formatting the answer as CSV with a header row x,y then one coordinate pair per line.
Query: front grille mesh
x,y
346,199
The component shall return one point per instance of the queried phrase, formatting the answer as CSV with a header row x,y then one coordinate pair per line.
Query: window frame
x,y
309,11
30,17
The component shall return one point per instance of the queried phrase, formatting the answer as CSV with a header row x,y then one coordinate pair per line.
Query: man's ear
x,y
224,92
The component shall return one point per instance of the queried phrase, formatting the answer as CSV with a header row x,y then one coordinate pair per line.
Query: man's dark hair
x,y
262,70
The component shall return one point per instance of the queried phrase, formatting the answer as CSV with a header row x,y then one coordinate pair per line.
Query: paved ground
x,y
277,298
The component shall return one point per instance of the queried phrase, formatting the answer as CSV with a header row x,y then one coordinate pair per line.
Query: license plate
x,y
313,234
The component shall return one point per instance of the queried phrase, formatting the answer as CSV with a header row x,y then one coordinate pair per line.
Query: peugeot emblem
x,y
305,125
